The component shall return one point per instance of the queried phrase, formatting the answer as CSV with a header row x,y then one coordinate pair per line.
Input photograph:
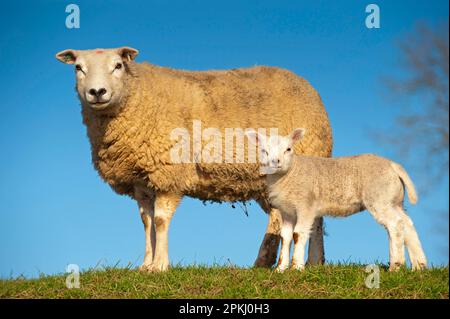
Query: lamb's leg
x,y
146,209
267,255
301,235
286,238
396,232
393,222
165,205
415,251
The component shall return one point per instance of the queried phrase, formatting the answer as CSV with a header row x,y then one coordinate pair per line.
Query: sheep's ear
x,y
254,137
127,53
67,56
297,134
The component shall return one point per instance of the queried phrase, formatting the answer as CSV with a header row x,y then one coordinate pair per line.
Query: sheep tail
x,y
409,185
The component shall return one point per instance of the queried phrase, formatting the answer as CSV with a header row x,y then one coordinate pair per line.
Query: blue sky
x,y
54,208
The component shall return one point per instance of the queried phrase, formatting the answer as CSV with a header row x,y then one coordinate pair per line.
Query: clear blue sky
x,y
54,208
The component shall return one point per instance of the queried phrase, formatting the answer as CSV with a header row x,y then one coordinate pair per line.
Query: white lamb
x,y
304,188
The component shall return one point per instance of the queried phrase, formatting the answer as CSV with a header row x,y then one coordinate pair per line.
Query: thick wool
x,y
131,144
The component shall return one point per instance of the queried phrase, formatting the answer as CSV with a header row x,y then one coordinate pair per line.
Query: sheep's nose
x,y
97,93
275,161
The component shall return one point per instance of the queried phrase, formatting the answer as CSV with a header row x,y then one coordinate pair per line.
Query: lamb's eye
x,y
118,66
289,149
78,67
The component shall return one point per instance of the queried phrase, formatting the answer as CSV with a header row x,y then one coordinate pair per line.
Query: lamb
x,y
130,110
304,188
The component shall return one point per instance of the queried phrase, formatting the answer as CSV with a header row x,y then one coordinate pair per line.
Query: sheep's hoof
x,y
144,267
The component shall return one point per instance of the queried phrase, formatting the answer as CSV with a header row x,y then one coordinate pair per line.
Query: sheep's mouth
x,y
272,166
269,170
99,105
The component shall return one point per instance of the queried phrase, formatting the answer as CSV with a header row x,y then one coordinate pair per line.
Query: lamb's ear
x,y
67,56
254,137
297,134
128,53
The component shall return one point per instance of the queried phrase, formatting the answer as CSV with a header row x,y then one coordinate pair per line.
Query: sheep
x,y
304,188
130,110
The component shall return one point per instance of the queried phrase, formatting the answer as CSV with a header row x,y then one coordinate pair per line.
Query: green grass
x,y
330,281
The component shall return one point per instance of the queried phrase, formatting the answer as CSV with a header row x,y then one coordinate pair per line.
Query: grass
x,y
330,281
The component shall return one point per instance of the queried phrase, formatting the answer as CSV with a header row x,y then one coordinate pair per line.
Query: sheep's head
x,y
275,152
101,74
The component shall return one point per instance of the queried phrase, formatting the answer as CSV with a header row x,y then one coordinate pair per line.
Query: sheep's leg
x,y
302,231
393,222
415,251
165,205
286,238
146,209
267,255
316,251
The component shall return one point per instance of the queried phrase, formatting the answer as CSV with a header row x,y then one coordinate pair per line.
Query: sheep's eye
x,y
289,149
78,67
118,66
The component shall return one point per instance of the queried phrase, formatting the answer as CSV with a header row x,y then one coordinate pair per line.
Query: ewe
x,y
130,110
304,188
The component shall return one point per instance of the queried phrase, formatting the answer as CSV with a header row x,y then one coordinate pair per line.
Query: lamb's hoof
x,y
419,266
396,266
298,267
154,267
280,269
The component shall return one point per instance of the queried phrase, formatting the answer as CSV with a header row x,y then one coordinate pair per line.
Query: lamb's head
x,y
101,74
275,152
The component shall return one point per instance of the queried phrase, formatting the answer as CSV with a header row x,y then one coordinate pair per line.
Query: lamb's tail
x,y
409,185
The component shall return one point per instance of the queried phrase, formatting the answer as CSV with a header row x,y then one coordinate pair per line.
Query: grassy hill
x,y
330,281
